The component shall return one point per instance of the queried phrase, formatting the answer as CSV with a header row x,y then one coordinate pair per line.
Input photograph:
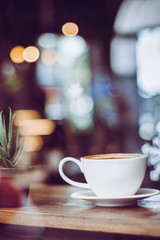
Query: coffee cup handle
x,y
67,179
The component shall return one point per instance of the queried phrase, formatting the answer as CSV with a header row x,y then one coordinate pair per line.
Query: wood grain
x,y
52,207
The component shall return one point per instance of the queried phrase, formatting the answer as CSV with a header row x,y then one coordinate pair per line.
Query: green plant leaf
x,y
10,150
11,140
3,162
18,154
17,137
3,135
3,153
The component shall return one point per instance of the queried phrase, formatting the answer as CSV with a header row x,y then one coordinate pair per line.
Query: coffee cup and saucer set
x,y
112,180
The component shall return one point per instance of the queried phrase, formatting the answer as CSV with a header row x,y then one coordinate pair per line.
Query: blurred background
x,y
83,78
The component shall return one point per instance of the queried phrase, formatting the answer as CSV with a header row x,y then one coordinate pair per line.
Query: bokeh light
x,y
25,114
70,29
146,117
81,106
83,123
7,68
55,111
75,90
47,40
32,143
36,127
146,131
146,126
16,54
71,48
148,58
48,57
31,54
45,74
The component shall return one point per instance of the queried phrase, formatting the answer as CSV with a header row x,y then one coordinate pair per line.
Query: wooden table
x,y
51,211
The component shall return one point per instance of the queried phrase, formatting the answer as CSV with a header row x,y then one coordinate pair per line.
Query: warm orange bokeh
x,y
32,143
70,29
25,114
36,127
16,54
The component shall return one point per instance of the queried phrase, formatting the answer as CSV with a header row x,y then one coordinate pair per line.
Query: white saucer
x,y
115,201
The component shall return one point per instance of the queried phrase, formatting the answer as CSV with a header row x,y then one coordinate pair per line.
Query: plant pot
x,y
13,191
15,184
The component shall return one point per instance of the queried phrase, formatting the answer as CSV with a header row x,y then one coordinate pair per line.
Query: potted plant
x,y
10,149
10,154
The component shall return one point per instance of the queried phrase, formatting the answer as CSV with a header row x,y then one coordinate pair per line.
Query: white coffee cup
x,y
109,175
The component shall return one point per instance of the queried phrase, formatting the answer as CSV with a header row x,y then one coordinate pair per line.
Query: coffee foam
x,y
113,156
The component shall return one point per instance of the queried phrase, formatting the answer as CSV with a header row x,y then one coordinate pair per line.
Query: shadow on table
x,y
16,232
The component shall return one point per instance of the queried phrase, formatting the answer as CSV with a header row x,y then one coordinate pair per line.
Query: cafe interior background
x,y
83,78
